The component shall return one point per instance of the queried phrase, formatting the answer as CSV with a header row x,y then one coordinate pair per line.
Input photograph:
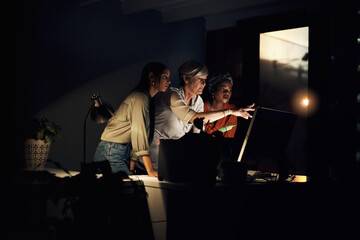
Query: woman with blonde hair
x,y
177,109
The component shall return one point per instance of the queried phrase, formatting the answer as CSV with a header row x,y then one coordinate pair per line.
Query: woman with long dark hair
x,y
127,132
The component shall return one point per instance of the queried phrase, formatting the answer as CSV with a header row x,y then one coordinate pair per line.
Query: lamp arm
x,y
84,135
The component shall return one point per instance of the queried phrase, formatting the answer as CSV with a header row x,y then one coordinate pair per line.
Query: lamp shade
x,y
100,112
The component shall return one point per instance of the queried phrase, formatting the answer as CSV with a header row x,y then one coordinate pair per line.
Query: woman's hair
x,y
212,81
191,69
144,85
216,78
154,67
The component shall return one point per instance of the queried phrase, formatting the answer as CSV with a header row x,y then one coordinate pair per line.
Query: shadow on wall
x,y
69,111
64,53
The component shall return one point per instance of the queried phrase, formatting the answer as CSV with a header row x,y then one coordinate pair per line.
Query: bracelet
x,y
132,171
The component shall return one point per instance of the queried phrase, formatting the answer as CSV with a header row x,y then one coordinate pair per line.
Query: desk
x,y
259,210
157,197
184,211
175,204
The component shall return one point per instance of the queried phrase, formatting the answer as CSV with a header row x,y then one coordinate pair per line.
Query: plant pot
x,y
36,153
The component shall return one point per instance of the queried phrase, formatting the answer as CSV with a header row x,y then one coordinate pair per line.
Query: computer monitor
x,y
266,140
190,159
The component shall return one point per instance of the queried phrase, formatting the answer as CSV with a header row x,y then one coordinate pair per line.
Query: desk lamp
x,y
100,113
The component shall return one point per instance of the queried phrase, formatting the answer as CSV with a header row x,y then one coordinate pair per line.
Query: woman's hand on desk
x,y
153,173
148,166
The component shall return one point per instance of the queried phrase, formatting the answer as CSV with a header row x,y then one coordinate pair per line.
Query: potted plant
x,y
41,132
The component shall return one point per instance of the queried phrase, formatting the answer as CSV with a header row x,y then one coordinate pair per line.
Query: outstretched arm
x,y
216,115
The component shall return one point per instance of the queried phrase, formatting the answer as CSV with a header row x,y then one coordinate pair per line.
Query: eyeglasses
x,y
201,80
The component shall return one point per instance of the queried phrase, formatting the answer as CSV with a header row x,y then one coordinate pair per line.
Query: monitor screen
x,y
267,138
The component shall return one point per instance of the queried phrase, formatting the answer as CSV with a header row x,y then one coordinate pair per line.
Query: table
x,y
186,211
163,197
259,210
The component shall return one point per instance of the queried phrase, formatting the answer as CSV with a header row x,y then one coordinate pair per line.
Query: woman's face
x,y
223,92
196,84
164,81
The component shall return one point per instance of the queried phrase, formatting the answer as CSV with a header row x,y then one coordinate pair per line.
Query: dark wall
x,y
333,57
64,52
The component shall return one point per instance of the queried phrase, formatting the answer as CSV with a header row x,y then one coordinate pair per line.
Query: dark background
x,y
64,51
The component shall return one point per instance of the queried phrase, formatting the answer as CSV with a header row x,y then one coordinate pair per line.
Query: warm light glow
x,y
300,178
305,102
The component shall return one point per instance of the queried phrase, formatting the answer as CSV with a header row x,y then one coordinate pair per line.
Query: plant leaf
x,y
40,134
